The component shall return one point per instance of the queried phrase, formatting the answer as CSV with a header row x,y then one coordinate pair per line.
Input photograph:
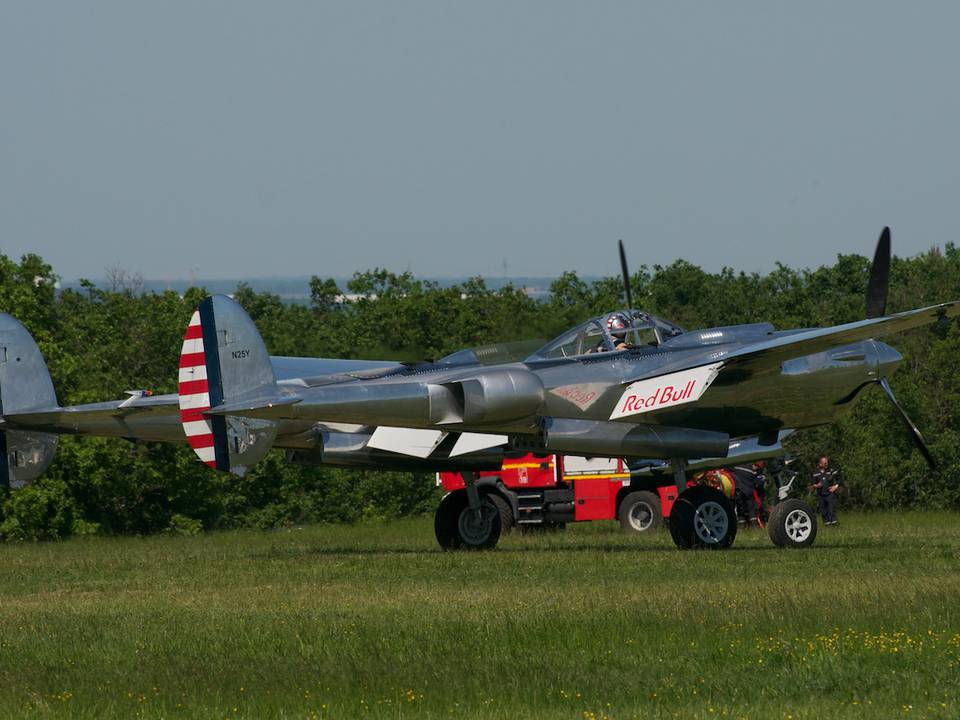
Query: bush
x,y
42,511
183,525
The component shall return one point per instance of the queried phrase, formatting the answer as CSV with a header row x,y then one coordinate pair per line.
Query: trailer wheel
x,y
793,524
640,511
506,512
457,527
703,517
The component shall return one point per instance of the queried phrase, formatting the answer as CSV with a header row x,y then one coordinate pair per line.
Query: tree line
x,y
100,342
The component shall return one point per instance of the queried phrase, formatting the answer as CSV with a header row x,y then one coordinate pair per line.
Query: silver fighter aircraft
x,y
624,384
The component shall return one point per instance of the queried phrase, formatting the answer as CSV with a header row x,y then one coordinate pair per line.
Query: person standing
x,y
826,482
747,478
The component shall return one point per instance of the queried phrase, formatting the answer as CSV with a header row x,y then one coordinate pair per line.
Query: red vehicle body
x,y
551,490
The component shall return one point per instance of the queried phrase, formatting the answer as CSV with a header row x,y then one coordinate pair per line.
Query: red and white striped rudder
x,y
223,358
194,393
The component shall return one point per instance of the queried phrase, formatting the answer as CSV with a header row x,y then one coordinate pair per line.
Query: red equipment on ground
x,y
550,490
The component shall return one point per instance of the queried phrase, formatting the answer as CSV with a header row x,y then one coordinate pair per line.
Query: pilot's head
x,y
617,324
824,462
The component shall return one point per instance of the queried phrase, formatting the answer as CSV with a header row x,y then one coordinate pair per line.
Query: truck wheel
x,y
506,512
702,517
640,511
792,524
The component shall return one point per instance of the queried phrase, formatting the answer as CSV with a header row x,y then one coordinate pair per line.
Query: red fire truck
x,y
544,491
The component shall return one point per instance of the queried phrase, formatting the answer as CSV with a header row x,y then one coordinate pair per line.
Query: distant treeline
x,y
99,343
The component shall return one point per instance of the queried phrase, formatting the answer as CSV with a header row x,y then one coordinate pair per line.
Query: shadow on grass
x,y
342,551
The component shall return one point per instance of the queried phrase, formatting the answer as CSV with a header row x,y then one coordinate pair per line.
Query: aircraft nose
x,y
887,359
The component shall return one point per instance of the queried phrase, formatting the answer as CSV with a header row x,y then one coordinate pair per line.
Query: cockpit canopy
x,y
618,330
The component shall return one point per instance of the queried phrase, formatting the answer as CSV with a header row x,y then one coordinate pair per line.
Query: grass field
x,y
374,621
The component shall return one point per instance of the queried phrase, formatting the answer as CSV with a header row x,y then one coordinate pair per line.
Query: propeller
x,y
877,307
914,432
879,277
626,277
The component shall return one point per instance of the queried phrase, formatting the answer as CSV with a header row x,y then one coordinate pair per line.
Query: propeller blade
x,y
626,277
914,432
879,277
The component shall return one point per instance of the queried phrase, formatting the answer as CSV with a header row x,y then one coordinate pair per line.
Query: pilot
x,y
617,325
826,482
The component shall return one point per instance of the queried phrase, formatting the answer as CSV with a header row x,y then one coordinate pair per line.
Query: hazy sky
x,y
223,139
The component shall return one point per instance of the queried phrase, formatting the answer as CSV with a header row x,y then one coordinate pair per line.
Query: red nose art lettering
x,y
675,397
667,396
665,391
652,400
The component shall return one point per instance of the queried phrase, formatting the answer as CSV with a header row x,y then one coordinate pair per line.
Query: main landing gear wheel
x,y
640,511
792,524
457,527
702,517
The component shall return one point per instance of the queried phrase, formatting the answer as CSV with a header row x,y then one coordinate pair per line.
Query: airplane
x,y
623,384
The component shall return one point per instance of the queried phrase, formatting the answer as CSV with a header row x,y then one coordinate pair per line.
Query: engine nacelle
x,y
500,396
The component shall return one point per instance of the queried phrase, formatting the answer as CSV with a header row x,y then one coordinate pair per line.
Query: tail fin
x,y
224,360
25,386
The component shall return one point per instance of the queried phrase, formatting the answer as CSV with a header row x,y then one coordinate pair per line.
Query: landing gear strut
x,y
701,516
467,519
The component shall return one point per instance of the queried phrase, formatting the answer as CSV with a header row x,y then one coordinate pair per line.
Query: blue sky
x,y
225,139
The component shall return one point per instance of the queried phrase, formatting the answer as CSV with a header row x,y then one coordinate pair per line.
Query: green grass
x,y
374,621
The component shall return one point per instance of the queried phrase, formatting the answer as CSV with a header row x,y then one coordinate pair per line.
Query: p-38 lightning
x,y
623,384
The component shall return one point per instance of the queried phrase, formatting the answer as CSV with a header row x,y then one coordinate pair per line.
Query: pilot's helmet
x,y
617,324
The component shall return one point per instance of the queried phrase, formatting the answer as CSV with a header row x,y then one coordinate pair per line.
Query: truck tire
x,y
703,517
506,512
792,524
640,512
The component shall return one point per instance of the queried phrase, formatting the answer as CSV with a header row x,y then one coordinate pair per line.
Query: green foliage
x,y
99,343
43,511
183,526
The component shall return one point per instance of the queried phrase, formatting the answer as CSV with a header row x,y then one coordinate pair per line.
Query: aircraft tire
x,y
640,512
792,524
445,521
703,517
457,528
506,512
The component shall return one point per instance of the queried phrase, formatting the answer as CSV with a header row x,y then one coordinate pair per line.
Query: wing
x,y
769,354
